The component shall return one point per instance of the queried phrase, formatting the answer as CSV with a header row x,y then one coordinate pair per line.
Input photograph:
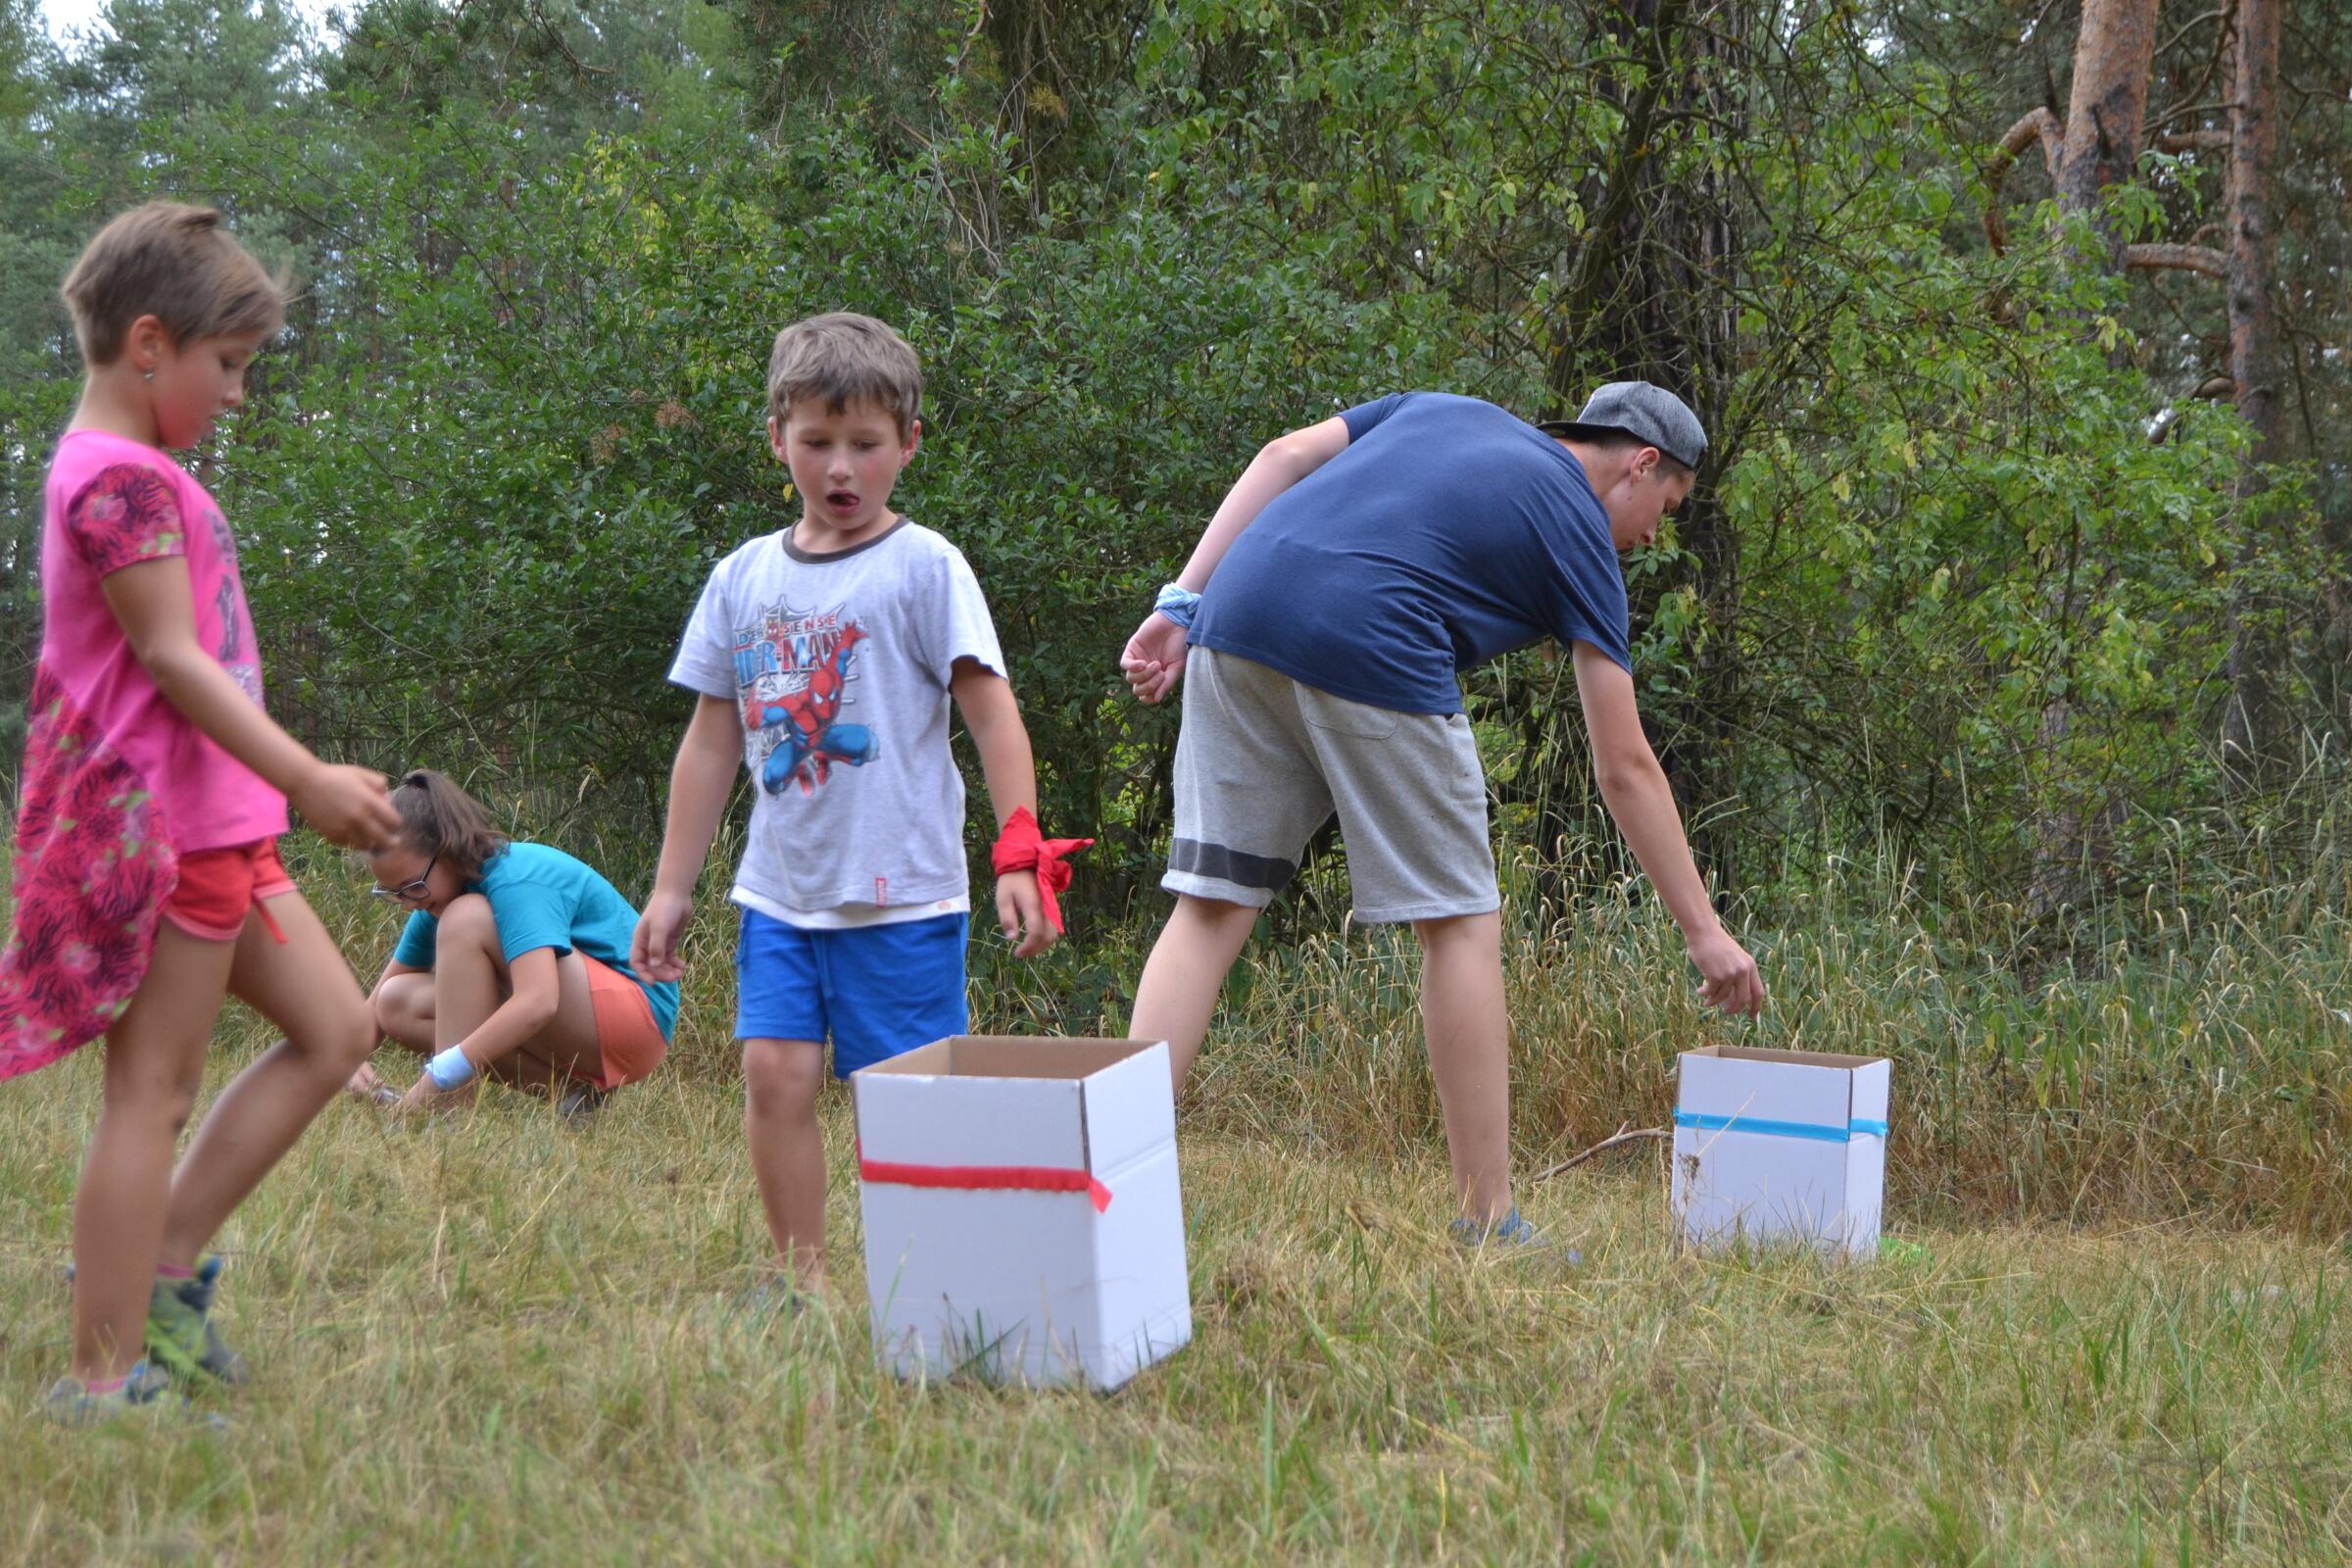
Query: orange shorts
x,y
219,888
627,1037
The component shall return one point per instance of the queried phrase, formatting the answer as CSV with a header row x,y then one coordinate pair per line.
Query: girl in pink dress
x,y
147,880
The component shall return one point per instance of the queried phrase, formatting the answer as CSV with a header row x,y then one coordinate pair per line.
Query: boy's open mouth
x,y
842,499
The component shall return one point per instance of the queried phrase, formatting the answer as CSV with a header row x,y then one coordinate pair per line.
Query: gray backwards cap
x,y
1650,413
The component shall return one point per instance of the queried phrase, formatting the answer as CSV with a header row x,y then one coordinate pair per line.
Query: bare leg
x,y
304,987
154,1063
403,1005
1469,1035
781,1078
1178,992
471,982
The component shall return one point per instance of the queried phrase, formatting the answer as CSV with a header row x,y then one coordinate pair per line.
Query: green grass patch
x,y
507,1337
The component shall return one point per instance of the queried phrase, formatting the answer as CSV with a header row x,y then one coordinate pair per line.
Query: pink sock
x,y
112,1386
173,1271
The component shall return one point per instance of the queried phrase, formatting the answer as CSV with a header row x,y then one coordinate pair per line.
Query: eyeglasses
x,y
417,889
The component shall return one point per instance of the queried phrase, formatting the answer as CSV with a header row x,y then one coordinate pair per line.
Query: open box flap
x,y
1007,1057
1795,1059
1130,1109
1017,1100
1785,1088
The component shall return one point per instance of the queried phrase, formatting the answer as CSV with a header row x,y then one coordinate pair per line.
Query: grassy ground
x,y
504,1339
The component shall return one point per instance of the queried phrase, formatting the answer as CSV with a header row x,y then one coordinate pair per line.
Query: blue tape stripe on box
x,y
1862,1125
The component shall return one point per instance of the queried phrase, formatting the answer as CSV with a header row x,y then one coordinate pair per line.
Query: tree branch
x,y
579,66
2036,125
2178,259
2186,110
2218,13
1617,1138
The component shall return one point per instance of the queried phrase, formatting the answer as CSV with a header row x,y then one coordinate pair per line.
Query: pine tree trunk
x,y
2098,148
2253,360
2105,107
1649,302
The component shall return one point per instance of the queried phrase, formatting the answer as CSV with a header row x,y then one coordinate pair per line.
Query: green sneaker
x,y
180,1332
70,1404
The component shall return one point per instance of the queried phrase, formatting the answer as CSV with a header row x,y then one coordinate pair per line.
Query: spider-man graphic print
x,y
796,670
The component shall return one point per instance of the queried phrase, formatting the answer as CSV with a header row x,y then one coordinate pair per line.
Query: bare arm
x,y
153,603
699,783
1153,658
528,1009
993,716
1641,802
1279,465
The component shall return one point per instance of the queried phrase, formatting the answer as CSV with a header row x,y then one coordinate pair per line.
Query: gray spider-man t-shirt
x,y
838,666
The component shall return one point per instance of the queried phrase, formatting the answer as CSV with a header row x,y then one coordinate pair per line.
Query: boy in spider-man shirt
x,y
841,640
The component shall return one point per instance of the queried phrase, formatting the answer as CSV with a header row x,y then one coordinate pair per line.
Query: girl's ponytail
x,y
441,819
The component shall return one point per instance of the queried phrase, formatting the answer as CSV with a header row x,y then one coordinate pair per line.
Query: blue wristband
x,y
1178,604
450,1069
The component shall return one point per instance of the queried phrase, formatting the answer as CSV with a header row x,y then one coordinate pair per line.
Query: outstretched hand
x,y
425,1097
1728,976
348,806
1154,659
367,1084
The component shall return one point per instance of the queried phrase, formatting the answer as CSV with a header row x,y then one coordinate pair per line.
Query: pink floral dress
x,y
116,785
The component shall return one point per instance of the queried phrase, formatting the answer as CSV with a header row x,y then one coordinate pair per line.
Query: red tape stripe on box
x,y
988,1178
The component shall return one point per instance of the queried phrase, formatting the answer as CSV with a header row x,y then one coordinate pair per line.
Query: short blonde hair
x,y
176,264
843,358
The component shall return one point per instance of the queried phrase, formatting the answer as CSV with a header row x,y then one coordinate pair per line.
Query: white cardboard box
x,y
1022,1216
1781,1146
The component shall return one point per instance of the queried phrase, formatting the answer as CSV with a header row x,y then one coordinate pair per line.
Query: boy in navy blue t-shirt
x,y
1355,568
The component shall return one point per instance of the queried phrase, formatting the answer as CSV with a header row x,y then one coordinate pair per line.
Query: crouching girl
x,y
514,964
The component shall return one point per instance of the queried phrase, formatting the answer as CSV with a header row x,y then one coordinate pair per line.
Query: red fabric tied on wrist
x,y
1021,847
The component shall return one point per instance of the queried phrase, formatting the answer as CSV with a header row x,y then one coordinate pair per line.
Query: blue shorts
x,y
876,991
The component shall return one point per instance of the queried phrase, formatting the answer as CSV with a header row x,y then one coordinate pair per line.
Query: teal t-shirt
x,y
543,897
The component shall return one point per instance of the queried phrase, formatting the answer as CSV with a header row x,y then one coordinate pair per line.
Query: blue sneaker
x,y
145,1390
1513,1235
762,1305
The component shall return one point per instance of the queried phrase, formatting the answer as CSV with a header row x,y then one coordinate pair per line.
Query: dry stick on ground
x,y
1627,1134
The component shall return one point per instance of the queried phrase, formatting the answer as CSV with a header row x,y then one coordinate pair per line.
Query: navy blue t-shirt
x,y
1446,533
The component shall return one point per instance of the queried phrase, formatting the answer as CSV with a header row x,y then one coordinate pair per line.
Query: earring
x,y
148,373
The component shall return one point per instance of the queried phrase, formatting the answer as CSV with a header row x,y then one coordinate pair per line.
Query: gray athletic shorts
x,y
1263,762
